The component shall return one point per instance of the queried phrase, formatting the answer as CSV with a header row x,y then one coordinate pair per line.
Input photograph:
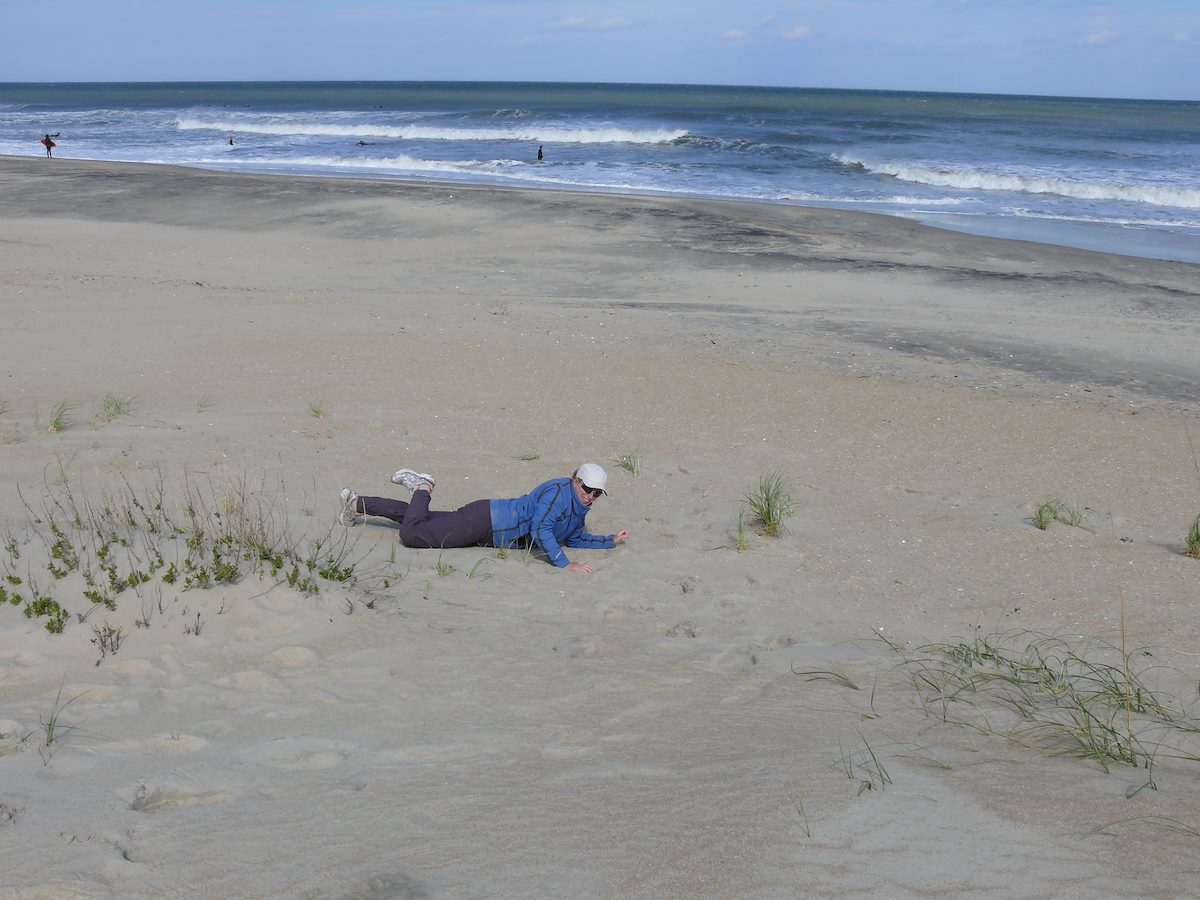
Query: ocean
x,y
1116,175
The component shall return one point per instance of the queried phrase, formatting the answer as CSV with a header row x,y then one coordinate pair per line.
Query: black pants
x,y
468,526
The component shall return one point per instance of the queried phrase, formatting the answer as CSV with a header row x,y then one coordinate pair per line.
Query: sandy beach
x,y
712,712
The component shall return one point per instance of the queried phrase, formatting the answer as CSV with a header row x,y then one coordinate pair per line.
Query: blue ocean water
x,y
1116,175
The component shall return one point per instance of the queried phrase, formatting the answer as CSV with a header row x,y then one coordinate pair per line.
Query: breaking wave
x,y
514,132
977,179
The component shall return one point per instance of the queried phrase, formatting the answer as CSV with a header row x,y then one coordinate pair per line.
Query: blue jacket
x,y
550,515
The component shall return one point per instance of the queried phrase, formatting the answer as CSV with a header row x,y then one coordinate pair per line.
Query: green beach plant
x,y
53,730
631,463
741,537
477,570
202,404
864,767
113,406
59,416
770,503
1088,700
1192,541
1046,513
316,409
1072,515
120,539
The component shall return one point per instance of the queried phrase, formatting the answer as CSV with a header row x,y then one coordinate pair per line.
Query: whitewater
x,y
1115,175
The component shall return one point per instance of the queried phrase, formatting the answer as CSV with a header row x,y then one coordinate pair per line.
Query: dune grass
x,y
1192,540
93,548
631,463
113,406
53,730
1046,513
60,416
1080,699
1054,510
770,503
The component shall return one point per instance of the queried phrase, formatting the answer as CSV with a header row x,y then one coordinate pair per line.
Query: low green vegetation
x,y
60,416
100,547
1084,700
1192,541
1054,510
631,463
770,503
113,406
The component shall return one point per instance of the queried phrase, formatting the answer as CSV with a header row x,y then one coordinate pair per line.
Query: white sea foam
x,y
516,132
978,179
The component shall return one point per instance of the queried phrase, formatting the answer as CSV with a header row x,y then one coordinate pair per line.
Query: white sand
x,y
636,732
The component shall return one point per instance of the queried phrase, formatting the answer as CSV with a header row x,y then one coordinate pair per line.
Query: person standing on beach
x,y
48,144
549,517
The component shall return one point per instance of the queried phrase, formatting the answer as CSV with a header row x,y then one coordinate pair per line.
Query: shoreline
x,y
1050,233
667,726
1052,343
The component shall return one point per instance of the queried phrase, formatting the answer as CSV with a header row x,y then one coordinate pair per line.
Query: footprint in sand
x,y
299,754
384,886
294,657
160,799
15,664
157,743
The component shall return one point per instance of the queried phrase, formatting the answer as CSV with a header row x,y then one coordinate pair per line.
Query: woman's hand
x,y
621,536
578,567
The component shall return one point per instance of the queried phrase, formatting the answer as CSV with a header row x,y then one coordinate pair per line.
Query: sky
x,y
1125,48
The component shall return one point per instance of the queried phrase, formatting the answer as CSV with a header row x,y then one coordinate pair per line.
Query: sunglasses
x,y
595,492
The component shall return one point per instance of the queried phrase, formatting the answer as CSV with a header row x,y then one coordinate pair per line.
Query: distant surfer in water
x,y
231,142
48,144
541,155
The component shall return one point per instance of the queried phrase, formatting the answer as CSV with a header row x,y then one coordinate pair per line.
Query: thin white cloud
x,y
734,34
1100,37
800,31
584,23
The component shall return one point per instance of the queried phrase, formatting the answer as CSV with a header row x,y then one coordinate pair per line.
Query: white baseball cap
x,y
593,476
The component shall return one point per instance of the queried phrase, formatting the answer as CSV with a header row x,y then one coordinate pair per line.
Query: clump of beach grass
x,y
1192,541
1055,510
316,409
865,767
631,463
770,503
1046,513
113,406
741,540
53,730
1088,700
120,539
60,416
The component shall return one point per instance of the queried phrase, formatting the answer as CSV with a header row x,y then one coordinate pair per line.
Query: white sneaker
x,y
349,513
412,479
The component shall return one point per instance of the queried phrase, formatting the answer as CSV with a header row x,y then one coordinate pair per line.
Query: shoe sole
x,y
399,476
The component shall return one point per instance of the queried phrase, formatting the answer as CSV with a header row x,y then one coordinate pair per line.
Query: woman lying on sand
x,y
549,516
